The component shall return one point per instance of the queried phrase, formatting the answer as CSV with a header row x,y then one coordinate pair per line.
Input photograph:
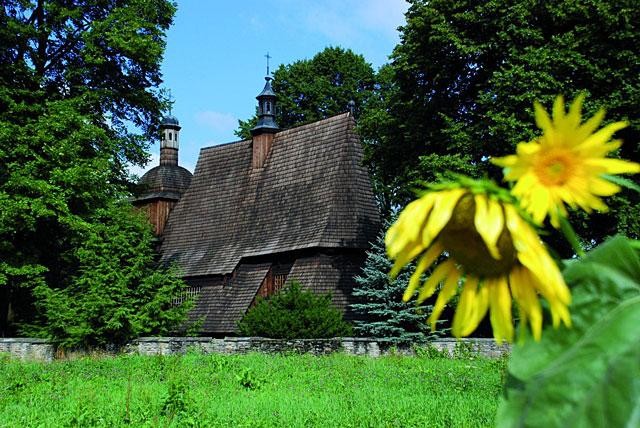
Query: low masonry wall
x,y
27,349
38,349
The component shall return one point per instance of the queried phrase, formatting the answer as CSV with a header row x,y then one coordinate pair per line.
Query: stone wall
x,y
27,349
37,349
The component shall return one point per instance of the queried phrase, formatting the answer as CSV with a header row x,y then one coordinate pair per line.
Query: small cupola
x,y
264,132
266,110
170,132
160,188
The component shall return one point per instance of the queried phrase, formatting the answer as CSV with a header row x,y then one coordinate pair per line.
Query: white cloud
x,y
386,15
220,122
343,21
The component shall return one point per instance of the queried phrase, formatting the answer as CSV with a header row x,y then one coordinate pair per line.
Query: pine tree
x,y
382,313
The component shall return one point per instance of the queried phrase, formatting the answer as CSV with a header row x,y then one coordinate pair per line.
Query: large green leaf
x,y
588,375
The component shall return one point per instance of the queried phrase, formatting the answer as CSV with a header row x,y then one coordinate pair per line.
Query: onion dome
x,y
163,182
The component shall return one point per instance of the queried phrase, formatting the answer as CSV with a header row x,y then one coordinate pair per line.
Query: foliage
x,y
586,375
466,75
77,81
117,293
310,90
381,311
296,390
294,313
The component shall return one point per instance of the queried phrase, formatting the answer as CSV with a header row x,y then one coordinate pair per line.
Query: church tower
x,y
264,132
160,189
170,131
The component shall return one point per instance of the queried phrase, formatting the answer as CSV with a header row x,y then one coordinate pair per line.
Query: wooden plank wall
x,y
158,213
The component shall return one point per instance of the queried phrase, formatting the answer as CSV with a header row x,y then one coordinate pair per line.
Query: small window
x,y
268,107
176,137
278,281
189,293
169,136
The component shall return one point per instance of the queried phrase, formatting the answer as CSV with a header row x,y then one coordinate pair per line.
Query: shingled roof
x,y
220,307
311,192
163,181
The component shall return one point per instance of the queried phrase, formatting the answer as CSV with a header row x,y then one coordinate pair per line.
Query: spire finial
x,y
171,101
268,57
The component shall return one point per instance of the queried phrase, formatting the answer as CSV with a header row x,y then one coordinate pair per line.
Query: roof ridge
x,y
315,122
215,146
294,128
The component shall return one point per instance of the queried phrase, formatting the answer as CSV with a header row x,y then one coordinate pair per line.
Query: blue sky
x,y
214,63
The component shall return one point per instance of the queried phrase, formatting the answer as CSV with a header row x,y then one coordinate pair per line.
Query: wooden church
x,y
292,204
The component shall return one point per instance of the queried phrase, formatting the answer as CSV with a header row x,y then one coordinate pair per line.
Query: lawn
x,y
251,390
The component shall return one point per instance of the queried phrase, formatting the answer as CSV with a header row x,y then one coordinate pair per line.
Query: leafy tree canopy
x,y
76,81
467,73
310,90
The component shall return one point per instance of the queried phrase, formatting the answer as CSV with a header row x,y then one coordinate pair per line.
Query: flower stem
x,y
571,236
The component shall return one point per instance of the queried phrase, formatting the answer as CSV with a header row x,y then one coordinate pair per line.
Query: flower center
x,y
554,169
465,245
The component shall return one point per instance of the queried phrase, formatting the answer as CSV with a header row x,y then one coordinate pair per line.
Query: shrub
x,y
294,313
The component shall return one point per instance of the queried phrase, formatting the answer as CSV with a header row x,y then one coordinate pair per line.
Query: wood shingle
x,y
311,192
309,205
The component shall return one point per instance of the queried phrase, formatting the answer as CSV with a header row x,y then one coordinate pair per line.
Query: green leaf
x,y
621,181
588,375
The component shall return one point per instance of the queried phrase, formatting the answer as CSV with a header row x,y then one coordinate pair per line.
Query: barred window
x,y
278,281
188,293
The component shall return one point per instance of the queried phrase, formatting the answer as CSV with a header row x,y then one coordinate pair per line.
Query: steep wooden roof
x,y
311,192
221,307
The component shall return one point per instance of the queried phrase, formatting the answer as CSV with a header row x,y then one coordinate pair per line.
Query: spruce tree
x,y
381,311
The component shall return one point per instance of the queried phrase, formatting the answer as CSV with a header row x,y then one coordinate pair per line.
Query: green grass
x,y
250,390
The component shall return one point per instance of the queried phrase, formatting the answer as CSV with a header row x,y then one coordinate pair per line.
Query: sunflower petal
x,y
500,301
523,290
438,275
425,262
603,135
542,118
406,230
614,166
558,108
466,305
489,223
448,291
603,187
441,214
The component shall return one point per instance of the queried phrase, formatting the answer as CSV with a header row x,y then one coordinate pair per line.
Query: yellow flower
x,y
494,255
566,164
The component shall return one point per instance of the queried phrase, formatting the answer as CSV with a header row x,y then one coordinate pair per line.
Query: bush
x,y
293,313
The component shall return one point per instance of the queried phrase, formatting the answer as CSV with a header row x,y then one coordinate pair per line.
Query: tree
x,y
467,74
381,311
117,293
77,80
294,313
310,90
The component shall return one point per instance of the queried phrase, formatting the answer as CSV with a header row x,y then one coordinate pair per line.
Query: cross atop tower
x,y
268,57
171,101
